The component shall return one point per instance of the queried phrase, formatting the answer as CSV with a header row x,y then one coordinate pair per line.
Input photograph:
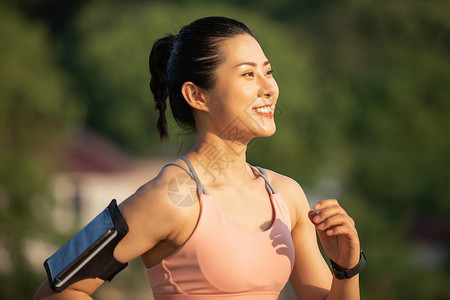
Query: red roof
x,y
90,152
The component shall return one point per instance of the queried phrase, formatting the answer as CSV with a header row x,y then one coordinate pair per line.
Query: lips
x,y
265,110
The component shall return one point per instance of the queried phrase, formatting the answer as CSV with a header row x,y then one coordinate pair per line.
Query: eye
x,y
270,72
248,74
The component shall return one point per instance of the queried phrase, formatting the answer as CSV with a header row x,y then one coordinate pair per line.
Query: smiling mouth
x,y
266,111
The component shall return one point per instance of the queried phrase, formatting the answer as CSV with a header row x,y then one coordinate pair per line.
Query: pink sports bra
x,y
221,259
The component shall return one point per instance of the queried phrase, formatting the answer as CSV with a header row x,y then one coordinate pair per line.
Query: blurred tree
x,y
382,118
36,111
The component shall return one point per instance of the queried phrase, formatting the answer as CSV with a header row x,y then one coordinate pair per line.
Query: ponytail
x,y
159,56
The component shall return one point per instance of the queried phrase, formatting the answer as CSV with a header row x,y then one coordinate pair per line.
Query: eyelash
x,y
270,72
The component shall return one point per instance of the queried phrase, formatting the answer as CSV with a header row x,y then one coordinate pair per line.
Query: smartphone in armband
x,y
82,256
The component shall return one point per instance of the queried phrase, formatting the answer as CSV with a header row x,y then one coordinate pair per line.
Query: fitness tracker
x,y
341,273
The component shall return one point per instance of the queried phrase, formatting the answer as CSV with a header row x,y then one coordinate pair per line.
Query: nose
x,y
268,87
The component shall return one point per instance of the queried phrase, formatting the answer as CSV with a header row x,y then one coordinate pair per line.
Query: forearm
x,y
46,293
67,295
347,289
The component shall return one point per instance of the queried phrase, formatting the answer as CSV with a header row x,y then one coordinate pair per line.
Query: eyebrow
x,y
252,64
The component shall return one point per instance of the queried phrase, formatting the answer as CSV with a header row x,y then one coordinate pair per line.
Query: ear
x,y
194,96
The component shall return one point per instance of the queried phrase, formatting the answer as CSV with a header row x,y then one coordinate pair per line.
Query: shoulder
x,y
171,179
153,213
292,193
284,183
171,193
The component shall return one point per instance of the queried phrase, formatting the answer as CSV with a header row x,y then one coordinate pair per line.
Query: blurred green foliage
x,y
363,113
37,110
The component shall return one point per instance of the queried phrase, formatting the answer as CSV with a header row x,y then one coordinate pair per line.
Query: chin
x,y
267,131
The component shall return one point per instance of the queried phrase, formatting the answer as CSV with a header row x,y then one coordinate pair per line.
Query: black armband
x,y
89,254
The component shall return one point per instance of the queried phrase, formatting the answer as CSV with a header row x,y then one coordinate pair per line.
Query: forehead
x,y
242,48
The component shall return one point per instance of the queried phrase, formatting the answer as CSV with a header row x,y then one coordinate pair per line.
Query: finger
x,y
311,215
341,230
334,221
325,203
328,208
328,212
334,210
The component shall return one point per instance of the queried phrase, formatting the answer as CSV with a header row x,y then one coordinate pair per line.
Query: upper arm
x,y
150,217
311,278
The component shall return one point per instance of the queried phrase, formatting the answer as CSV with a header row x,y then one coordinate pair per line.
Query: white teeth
x,y
264,110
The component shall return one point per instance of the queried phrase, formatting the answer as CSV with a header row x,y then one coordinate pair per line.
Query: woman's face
x,y
242,103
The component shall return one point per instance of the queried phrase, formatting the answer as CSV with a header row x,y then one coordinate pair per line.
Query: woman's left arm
x,y
311,277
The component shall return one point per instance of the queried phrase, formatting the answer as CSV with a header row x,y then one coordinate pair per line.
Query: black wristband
x,y
341,273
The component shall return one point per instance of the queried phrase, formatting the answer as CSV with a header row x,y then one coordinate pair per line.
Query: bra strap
x,y
181,166
200,187
263,174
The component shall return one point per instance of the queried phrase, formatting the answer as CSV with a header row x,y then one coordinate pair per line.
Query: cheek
x,y
221,107
231,98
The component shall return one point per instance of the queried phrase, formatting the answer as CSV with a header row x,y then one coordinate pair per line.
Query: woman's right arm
x,y
80,290
151,218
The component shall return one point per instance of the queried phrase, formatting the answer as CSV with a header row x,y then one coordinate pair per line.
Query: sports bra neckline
x,y
203,192
236,224
201,188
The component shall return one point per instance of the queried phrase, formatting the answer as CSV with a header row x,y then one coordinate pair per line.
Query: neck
x,y
219,161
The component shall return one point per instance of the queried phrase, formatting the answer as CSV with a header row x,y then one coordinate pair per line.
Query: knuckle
x,y
348,221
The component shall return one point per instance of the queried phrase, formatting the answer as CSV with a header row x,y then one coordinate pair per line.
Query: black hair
x,y
191,55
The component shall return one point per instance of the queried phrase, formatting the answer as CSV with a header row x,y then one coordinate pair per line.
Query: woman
x,y
244,231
